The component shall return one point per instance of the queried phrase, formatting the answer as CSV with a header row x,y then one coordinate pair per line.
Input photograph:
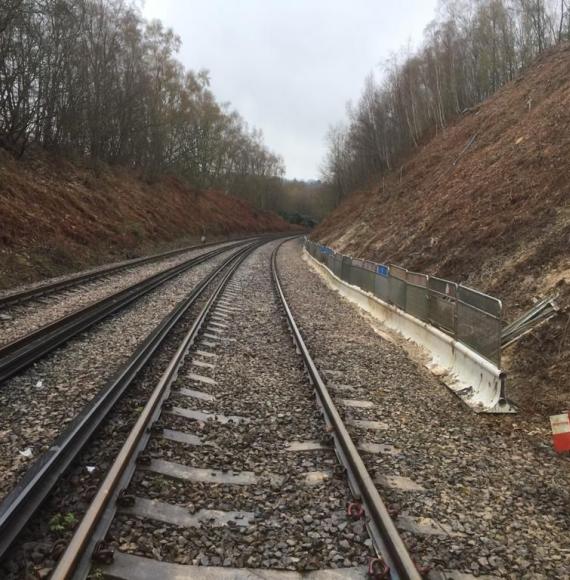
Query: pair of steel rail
x,y
394,560
87,541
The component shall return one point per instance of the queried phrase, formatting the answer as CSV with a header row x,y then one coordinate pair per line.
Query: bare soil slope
x,y
57,216
487,202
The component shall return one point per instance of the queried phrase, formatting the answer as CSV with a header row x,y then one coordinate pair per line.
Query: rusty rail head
x,y
22,352
387,541
77,549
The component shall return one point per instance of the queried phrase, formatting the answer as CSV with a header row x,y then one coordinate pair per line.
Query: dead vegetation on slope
x,y
57,216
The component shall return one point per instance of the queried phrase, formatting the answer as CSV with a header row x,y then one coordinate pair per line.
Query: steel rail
x,y
75,561
76,279
386,539
22,352
19,506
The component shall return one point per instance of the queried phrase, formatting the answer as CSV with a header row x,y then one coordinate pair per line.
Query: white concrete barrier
x,y
477,381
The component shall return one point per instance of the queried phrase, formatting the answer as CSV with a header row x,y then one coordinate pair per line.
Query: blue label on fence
x,y
325,250
383,271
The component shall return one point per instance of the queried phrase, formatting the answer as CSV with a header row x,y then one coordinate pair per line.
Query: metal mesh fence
x,y
442,304
356,272
417,295
382,282
345,269
470,316
369,275
397,286
337,268
479,300
479,330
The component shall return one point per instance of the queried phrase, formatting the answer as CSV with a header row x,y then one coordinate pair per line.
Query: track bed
x,y
220,461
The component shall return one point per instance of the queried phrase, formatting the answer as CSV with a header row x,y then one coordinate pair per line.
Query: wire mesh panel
x,y
369,276
382,282
479,322
397,286
337,265
442,304
480,300
310,247
362,277
355,272
317,251
479,330
417,297
443,286
346,267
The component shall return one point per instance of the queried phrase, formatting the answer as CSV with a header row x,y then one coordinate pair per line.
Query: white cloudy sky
x,y
290,66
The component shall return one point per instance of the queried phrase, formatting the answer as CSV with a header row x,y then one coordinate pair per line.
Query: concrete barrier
x,y
475,380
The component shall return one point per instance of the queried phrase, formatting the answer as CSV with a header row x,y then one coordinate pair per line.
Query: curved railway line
x,y
226,448
19,506
24,351
388,556
10,298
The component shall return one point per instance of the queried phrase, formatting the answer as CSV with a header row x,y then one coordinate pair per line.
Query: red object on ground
x,y
561,432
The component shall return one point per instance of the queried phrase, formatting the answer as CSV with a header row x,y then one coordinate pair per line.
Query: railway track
x,y
18,507
206,468
19,297
230,470
24,351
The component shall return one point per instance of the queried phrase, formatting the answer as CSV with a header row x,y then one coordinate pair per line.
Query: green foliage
x,y
62,522
298,219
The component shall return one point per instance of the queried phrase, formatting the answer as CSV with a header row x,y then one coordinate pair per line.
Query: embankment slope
x,y
487,202
57,216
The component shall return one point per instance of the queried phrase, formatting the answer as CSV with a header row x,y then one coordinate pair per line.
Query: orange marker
x,y
561,432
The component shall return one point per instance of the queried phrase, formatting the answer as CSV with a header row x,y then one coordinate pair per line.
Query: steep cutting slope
x,y
57,216
487,202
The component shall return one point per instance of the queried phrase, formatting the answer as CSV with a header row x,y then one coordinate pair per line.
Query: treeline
x,y
302,201
475,47
93,78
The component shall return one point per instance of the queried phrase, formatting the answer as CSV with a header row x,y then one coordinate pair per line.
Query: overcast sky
x,y
290,66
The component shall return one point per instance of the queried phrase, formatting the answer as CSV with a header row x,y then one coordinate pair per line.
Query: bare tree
x,y
93,78
475,47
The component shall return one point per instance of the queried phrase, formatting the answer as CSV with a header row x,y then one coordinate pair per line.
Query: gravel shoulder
x,y
502,496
